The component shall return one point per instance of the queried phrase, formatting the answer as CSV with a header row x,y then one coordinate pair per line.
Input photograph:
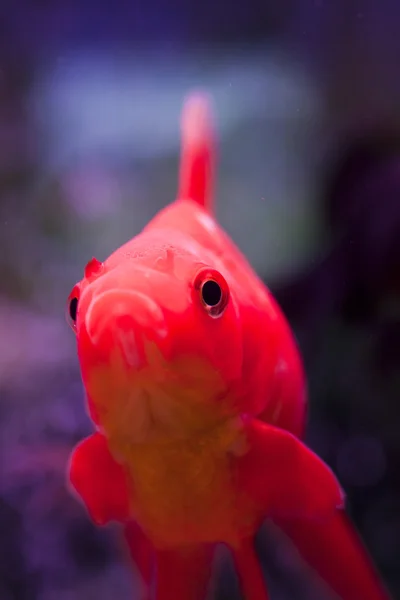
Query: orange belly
x,y
185,491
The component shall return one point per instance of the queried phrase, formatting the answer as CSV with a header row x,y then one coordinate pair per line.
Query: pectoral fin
x,y
99,480
285,478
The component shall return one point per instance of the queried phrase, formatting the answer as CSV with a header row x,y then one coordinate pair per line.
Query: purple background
x,y
307,99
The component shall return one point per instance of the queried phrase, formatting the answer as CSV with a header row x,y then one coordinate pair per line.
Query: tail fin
x,y
334,551
197,151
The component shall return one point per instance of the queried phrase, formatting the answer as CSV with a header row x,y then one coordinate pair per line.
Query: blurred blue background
x,y
307,100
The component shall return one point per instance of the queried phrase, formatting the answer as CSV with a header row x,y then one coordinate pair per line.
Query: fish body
x,y
197,393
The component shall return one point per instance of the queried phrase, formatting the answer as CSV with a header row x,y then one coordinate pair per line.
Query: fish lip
x,y
126,306
123,320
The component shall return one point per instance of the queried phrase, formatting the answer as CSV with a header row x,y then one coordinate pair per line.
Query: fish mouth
x,y
123,319
122,339
141,391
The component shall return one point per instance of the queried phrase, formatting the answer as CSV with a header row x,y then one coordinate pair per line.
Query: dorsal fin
x,y
197,151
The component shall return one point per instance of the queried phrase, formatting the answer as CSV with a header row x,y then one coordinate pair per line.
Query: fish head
x,y
159,342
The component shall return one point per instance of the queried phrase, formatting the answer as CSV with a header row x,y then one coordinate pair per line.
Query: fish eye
x,y
213,291
72,308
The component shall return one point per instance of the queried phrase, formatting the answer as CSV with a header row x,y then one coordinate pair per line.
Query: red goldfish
x,y
196,390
